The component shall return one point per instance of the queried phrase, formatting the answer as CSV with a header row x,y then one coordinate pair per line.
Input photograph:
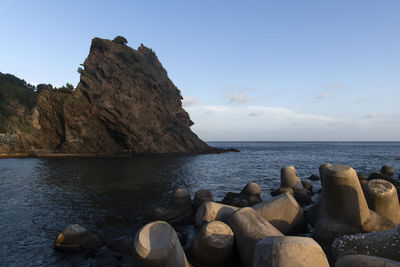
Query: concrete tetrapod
x,y
322,170
213,245
156,244
365,261
290,178
250,195
343,208
201,196
179,209
282,211
385,244
211,211
75,238
382,198
289,251
249,228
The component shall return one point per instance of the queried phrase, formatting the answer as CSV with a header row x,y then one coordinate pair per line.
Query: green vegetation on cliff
x,y
17,100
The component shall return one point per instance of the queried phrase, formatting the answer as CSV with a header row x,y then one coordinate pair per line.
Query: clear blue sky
x,y
248,70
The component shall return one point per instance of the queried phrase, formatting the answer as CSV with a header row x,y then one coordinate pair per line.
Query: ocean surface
x,y
108,196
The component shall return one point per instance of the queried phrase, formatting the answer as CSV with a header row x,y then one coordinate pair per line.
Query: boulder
x,y
213,245
201,196
382,198
283,212
361,176
75,238
290,178
343,208
387,170
211,211
249,228
314,177
156,244
179,209
365,261
307,185
385,244
288,251
282,190
250,195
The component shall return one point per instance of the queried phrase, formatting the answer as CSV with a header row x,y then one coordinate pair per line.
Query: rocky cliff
x,y
124,104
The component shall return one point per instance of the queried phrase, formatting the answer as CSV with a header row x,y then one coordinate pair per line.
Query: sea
x,y
39,197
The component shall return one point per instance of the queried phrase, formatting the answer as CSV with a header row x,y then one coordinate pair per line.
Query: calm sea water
x,y
39,197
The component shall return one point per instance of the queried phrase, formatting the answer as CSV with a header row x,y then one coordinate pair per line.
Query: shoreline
x,y
109,155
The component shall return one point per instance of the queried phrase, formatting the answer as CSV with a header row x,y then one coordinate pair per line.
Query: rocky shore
x,y
354,221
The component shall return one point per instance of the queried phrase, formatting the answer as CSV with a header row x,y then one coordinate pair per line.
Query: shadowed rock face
x,y
124,103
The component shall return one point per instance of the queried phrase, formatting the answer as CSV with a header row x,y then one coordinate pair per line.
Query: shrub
x,y
120,40
99,44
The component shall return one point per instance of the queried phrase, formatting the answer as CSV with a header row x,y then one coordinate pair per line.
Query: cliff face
x,y
124,103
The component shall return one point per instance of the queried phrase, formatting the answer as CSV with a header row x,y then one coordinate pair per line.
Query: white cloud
x,y
373,115
250,122
256,113
239,98
189,101
325,95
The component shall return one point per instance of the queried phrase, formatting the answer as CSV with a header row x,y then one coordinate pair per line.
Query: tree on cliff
x,y
120,40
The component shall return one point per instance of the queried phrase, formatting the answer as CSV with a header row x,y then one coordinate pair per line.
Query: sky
x,y
285,70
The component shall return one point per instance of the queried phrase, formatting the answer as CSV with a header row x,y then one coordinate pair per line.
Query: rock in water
x,y
75,238
124,103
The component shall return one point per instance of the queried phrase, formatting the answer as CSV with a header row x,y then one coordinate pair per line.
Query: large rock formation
x,y
124,104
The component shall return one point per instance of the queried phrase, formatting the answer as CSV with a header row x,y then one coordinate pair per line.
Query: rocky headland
x,y
124,104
